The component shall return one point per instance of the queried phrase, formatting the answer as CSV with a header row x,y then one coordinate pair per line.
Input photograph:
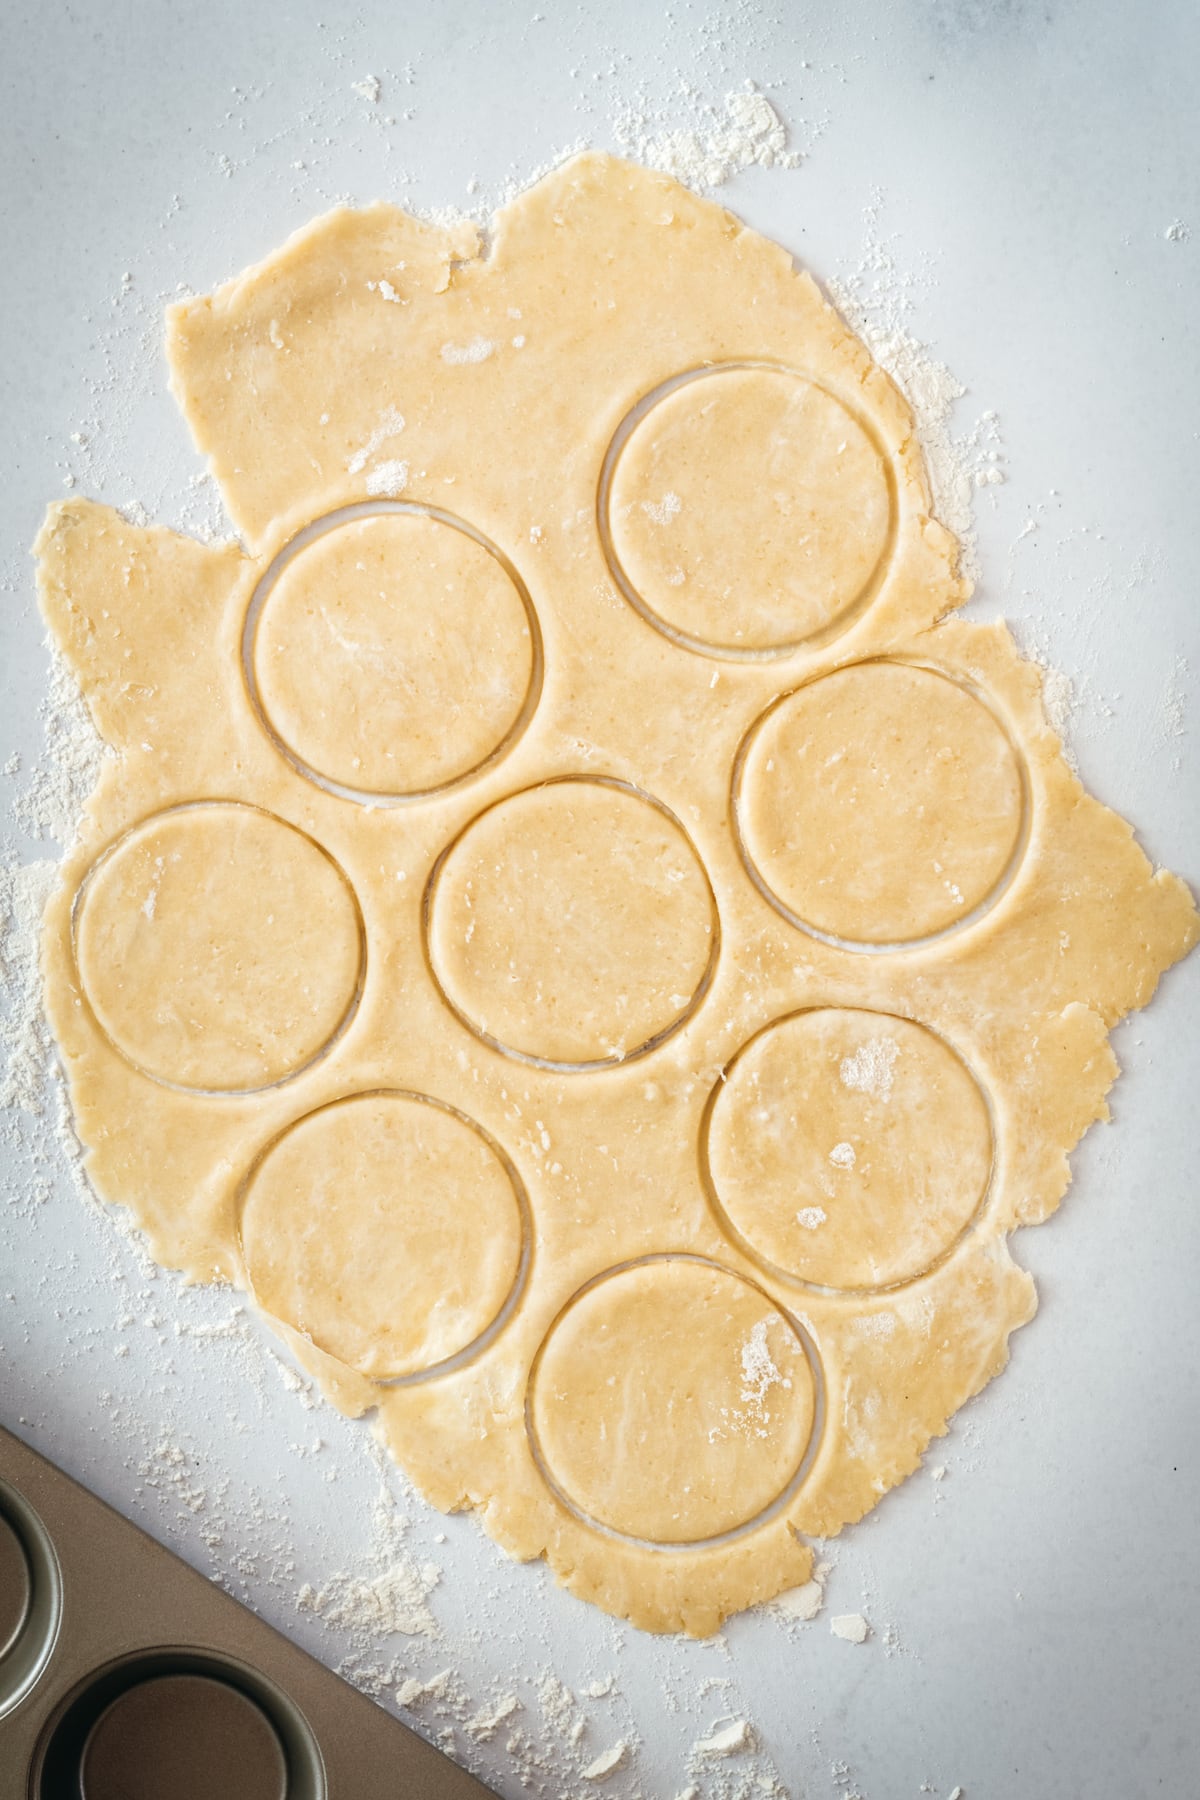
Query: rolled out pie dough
x,y
572,925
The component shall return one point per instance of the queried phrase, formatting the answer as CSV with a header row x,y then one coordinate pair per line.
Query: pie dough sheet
x,y
580,1282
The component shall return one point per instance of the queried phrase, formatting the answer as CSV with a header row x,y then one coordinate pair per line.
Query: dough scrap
x,y
678,1221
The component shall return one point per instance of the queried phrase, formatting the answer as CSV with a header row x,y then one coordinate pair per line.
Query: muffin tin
x,y
125,1675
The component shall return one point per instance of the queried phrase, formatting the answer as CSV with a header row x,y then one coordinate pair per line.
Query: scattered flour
x,y
811,1217
758,1370
852,1627
391,424
413,1693
62,780
388,479
871,1070
747,130
1058,701
1173,710
25,1039
558,1704
664,510
877,300
606,1763
759,1376
379,1605
842,1155
477,351
726,1739
387,1598
801,1603
47,810
488,1720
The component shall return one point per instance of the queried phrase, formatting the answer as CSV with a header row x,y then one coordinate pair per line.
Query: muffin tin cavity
x,y
30,1598
188,1724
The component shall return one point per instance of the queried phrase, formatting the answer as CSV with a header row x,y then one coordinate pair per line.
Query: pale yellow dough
x,y
387,1229
586,941
393,655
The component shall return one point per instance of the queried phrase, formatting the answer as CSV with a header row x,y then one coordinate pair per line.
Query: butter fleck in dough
x,y
585,937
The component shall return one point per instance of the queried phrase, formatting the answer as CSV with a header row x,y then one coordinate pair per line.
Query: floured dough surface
x,y
750,511
218,947
572,924
387,1229
393,654
881,804
848,1149
572,927
710,1441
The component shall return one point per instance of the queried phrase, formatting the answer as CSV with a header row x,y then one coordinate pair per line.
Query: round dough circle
x,y
848,1149
880,805
394,655
388,1228
572,924
220,949
749,512
672,1402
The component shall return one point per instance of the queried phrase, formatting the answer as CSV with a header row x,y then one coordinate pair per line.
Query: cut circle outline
x,y
482,1340
776,1271
845,618
349,1011
311,533
766,1514
982,907
529,1058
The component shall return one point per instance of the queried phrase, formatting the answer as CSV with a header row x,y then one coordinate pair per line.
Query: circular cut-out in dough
x,y
674,1403
391,651
572,925
220,949
847,1150
391,1230
746,511
881,806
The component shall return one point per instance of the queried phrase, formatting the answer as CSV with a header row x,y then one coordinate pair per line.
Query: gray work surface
x,y
1035,171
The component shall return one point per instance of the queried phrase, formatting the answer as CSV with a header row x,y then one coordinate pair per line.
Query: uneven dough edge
x,y
151,622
